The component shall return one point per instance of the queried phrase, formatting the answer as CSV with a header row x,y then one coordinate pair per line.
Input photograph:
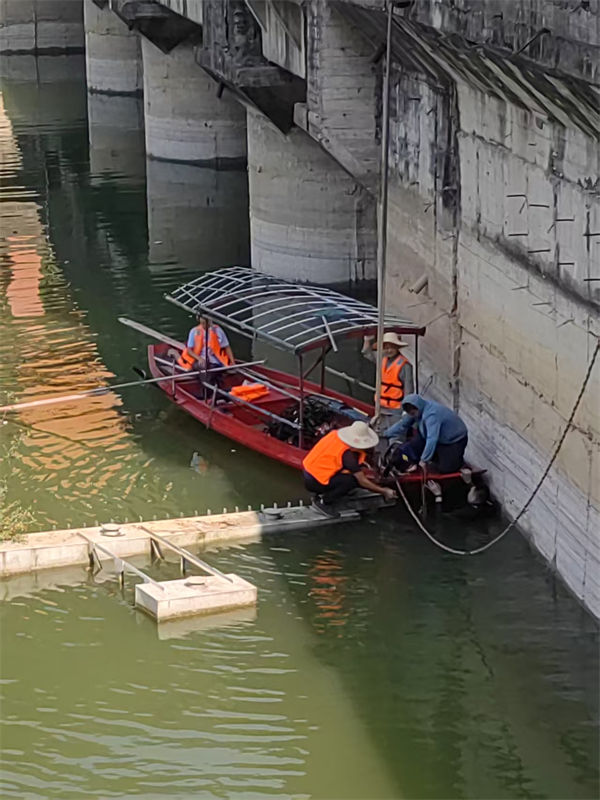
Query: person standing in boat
x,y
207,344
396,374
335,466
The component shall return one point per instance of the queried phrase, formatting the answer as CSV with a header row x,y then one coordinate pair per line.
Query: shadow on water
x,y
377,666
459,667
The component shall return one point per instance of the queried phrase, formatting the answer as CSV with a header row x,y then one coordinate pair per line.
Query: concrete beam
x,y
163,27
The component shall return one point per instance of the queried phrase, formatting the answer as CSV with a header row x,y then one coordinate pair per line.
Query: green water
x,y
374,666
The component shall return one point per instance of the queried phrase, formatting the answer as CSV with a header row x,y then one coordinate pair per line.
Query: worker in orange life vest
x,y
206,339
396,374
334,466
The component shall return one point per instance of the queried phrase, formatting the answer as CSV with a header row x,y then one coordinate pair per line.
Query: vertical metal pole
x,y
323,369
301,414
416,364
382,208
182,565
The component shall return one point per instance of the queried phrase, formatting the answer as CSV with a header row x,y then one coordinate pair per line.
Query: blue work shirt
x,y
221,336
437,424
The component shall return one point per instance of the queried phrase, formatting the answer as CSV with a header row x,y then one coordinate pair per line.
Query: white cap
x,y
359,436
393,338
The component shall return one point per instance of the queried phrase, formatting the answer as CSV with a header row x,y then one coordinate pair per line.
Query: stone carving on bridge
x,y
243,34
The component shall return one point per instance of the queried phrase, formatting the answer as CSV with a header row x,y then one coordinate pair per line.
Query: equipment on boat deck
x,y
289,413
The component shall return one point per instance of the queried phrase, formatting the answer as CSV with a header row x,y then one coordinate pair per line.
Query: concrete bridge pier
x,y
114,81
112,53
187,119
41,26
309,220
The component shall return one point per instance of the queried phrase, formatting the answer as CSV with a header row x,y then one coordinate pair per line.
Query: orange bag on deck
x,y
249,391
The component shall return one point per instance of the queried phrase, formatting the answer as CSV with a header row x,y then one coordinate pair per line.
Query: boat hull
x,y
246,427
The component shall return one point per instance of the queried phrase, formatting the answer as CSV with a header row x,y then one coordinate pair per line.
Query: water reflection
x,y
197,217
116,136
76,252
377,666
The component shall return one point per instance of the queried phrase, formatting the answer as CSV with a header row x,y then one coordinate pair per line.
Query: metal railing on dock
x,y
120,564
183,553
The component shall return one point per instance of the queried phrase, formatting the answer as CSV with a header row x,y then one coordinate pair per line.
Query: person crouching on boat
x,y
207,345
396,375
436,437
334,466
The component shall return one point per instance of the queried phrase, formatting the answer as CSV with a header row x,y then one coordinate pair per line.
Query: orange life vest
x,y
325,458
188,358
249,391
392,388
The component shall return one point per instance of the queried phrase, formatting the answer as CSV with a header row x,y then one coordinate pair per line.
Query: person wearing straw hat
x,y
396,373
334,466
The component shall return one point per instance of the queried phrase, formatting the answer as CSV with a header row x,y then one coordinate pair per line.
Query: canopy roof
x,y
291,316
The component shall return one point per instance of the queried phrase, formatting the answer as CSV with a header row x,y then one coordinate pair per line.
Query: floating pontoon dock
x,y
206,594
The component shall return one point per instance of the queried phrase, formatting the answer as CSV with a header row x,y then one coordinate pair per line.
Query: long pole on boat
x,y
383,212
102,390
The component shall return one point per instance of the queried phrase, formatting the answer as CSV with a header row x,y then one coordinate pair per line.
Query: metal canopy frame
x,y
292,317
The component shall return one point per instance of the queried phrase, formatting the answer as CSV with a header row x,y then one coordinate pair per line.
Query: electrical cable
x,y
536,489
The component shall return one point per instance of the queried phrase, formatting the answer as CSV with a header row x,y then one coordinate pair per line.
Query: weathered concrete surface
x,y
185,119
41,26
50,549
341,96
569,44
282,33
197,216
194,596
493,202
309,220
112,53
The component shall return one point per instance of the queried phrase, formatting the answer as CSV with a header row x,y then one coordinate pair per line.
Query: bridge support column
x,y
309,220
185,118
41,26
112,53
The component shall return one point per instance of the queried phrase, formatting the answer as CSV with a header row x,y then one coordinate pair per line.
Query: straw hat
x,y
359,436
393,338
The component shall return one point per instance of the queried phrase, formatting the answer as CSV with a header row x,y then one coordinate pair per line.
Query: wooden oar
x,y
161,337
100,390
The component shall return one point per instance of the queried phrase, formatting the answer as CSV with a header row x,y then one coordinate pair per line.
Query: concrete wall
x,y
309,220
112,53
570,43
41,26
511,315
341,92
186,121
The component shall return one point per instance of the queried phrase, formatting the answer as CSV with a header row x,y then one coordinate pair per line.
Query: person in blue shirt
x,y
206,339
436,437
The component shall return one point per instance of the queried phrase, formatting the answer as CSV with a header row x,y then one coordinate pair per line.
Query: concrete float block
x,y
194,596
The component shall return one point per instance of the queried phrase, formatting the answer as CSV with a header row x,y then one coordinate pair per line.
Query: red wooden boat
x,y
294,411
